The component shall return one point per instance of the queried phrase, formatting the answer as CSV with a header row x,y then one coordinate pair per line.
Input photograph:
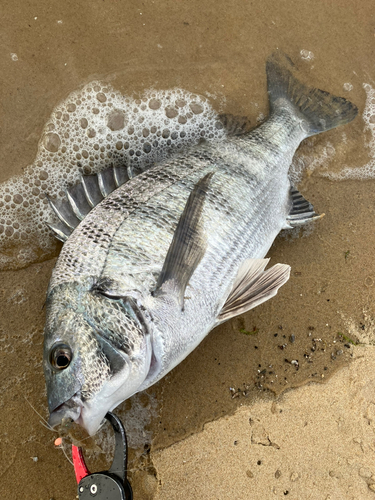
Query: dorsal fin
x,y
92,189
235,125
301,211
90,184
60,230
253,286
64,212
188,245
83,197
77,201
106,180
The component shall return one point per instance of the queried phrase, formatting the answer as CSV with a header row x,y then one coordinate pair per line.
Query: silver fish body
x,y
114,327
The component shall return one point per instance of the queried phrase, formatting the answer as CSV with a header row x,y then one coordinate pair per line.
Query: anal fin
x,y
253,286
301,211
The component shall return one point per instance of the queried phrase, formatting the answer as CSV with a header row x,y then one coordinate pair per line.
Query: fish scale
x,y
170,173
175,251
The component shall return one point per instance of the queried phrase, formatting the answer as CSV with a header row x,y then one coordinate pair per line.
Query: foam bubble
x,y
310,157
136,414
93,128
367,171
306,55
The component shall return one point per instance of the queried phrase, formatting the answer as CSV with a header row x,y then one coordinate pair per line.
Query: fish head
x,y
97,353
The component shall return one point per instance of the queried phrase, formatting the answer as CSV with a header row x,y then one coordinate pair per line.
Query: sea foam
x,y
366,171
93,128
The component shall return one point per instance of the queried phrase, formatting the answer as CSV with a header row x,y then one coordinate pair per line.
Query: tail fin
x,y
321,110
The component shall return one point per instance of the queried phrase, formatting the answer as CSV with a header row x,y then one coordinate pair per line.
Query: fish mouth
x,y
74,410
68,411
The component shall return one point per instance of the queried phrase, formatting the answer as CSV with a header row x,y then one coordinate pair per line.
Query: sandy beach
x,y
236,419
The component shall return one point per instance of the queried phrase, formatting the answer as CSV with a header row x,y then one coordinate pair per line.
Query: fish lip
x,y
70,409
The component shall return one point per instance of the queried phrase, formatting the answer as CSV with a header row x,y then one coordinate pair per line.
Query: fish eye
x,y
61,356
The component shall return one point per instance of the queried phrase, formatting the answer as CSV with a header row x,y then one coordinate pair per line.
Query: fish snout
x,y
69,410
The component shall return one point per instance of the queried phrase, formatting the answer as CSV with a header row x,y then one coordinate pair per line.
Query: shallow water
x,y
212,48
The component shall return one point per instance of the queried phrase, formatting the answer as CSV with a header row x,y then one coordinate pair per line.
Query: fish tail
x,y
320,110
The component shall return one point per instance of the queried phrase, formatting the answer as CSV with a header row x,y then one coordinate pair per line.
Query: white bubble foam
x,y
306,55
309,158
93,128
366,171
136,415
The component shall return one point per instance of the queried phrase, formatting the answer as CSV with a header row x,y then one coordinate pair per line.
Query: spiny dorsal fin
x,y
60,230
253,286
106,181
64,212
235,125
301,211
92,189
90,184
83,197
77,201
188,245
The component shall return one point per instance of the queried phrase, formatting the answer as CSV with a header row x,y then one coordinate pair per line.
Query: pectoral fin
x,y
253,286
188,245
301,211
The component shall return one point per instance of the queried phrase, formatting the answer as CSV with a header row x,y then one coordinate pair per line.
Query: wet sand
x,y
322,317
313,443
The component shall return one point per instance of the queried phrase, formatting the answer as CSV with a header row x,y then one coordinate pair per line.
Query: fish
x,y
147,272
